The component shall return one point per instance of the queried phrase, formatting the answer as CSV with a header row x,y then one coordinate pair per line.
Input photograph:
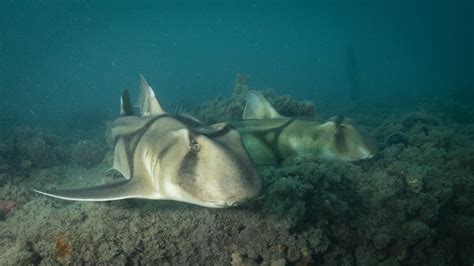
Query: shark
x,y
273,139
172,157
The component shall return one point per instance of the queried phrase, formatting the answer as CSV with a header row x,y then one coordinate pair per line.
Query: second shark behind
x,y
273,139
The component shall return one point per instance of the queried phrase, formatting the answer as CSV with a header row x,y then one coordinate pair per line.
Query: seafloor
x,y
410,205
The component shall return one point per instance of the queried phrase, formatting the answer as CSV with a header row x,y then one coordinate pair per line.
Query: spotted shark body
x,y
273,139
172,157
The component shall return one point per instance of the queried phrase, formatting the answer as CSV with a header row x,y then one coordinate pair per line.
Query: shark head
x,y
172,157
272,138
206,166
344,140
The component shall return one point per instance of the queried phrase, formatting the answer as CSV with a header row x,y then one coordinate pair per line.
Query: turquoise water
x,y
59,57
366,159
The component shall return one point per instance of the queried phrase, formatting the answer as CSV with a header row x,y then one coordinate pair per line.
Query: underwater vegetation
x,y
230,109
411,204
37,149
397,207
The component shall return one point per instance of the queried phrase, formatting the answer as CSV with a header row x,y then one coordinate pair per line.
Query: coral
x,y
88,153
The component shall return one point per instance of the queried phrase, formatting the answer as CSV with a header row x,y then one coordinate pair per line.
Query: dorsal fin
x,y
147,102
257,107
126,107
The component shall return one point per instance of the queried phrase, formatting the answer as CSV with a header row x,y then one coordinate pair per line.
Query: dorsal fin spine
x,y
126,107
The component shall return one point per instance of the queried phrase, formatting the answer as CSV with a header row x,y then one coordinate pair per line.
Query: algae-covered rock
x,y
88,153
414,231
396,138
286,196
311,192
412,119
39,147
220,110
288,106
231,109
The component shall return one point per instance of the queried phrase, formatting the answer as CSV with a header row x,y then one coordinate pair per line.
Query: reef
x,y
88,153
409,205
230,109
36,148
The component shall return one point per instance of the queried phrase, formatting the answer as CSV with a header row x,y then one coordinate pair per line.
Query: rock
x,y
412,119
293,254
236,259
396,138
88,154
381,240
26,164
4,178
415,183
41,154
38,147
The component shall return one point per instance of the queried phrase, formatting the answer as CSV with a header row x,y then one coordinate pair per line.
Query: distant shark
x,y
273,139
172,157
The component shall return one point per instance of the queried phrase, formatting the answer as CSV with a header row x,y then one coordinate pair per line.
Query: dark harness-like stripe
x,y
131,140
273,143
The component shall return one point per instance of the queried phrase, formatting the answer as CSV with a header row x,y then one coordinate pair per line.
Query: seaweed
x,y
230,109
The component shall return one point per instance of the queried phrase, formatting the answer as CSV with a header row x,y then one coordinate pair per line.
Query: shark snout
x,y
246,190
236,201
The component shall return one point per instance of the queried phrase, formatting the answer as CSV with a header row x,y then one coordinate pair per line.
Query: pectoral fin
x,y
115,191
